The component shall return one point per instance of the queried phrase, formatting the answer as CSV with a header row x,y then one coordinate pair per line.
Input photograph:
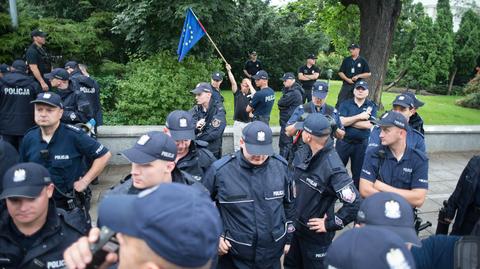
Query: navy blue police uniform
x,y
416,121
320,181
307,85
262,101
76,108
351,68
353,146
216,95
215,123
90,88
45,247
8,158
253,67
38,55
290,100
17,90
255,202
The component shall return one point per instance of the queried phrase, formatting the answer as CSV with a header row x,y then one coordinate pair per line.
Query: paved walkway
x,y
444,172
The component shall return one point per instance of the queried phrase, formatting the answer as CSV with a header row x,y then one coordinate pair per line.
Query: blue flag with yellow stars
x,y
192,32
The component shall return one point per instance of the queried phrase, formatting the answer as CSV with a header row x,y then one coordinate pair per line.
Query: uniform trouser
x,y
307,252
346,92
356,153
229,262
14,140
308,95
237,133
284,142
263,118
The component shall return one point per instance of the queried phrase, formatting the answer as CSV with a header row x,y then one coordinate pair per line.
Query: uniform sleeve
x,y
245,66
209,181
296,115
343,110
300,70
214,129
420,175
370,166
374,110
420,143
343,67
374,138
257,98
80,112
194,114
289,206
316,69
337,119
366,68
89,146
348,195
289,99
32,57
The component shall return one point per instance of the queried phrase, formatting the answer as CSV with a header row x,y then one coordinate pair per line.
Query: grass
x,y
438,110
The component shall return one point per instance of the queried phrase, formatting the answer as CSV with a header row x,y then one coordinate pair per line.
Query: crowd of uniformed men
x,y
266,205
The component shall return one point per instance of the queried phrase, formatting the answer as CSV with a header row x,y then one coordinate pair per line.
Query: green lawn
x,y
438,110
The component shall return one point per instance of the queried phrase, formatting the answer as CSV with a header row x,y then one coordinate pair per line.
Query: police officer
x,y
415,121
17,90
153,162
37,58
317,105
76,106
369,247
241,99
8,158
355,115
192,155
171,226
290,100
394,166
320,180
254,196
353,68
252,66
89,87
33,233
307,75
216,82
404,105
61,149
4,69
209,118
262,101
464,203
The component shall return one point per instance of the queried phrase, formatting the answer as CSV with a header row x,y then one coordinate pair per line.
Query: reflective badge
x,y
143,140
183,122
401,97
385,115
359,65
347,194
338,221
396,259
290,228
392,210
19,175
261,136
73,116
216,123
217,74
353,70
47,95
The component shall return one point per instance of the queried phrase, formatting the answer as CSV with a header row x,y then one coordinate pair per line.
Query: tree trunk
x,y
450,85
396,80
378,19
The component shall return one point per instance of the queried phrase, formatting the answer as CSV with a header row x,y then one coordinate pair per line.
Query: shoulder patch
x,y
420,154
216,123
31,129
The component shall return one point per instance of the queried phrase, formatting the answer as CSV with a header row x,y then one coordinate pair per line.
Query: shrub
x,y
158,85
472,89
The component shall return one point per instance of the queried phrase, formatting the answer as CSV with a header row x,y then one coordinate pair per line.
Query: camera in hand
x,y
106,243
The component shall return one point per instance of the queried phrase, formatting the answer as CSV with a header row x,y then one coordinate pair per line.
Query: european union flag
x,y
192,32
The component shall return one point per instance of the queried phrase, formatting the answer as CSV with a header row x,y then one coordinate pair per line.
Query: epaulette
x,y
224,160
201,143
74,128
418,133
280,158
335,163
32,128
420,154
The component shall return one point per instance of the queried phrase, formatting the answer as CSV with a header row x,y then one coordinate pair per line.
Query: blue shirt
x,y
411,172
437,252
63,155
300,110
262,102
414,139
349,108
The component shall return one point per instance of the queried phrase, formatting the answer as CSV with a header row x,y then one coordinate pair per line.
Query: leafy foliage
x,y
467,42
157,85
472,89
442,39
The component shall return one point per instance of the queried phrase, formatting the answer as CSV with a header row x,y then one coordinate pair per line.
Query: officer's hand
x,y
364,115
44,86
349,81
80,185
200,123
354,78
317,225
286,249
223,246
78,255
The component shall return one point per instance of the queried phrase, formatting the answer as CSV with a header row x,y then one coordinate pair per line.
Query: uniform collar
x,y
314,107
55,134
246,164
317,156
406,154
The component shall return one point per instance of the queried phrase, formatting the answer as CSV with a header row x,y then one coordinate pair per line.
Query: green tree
x,y
443,41
467,44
